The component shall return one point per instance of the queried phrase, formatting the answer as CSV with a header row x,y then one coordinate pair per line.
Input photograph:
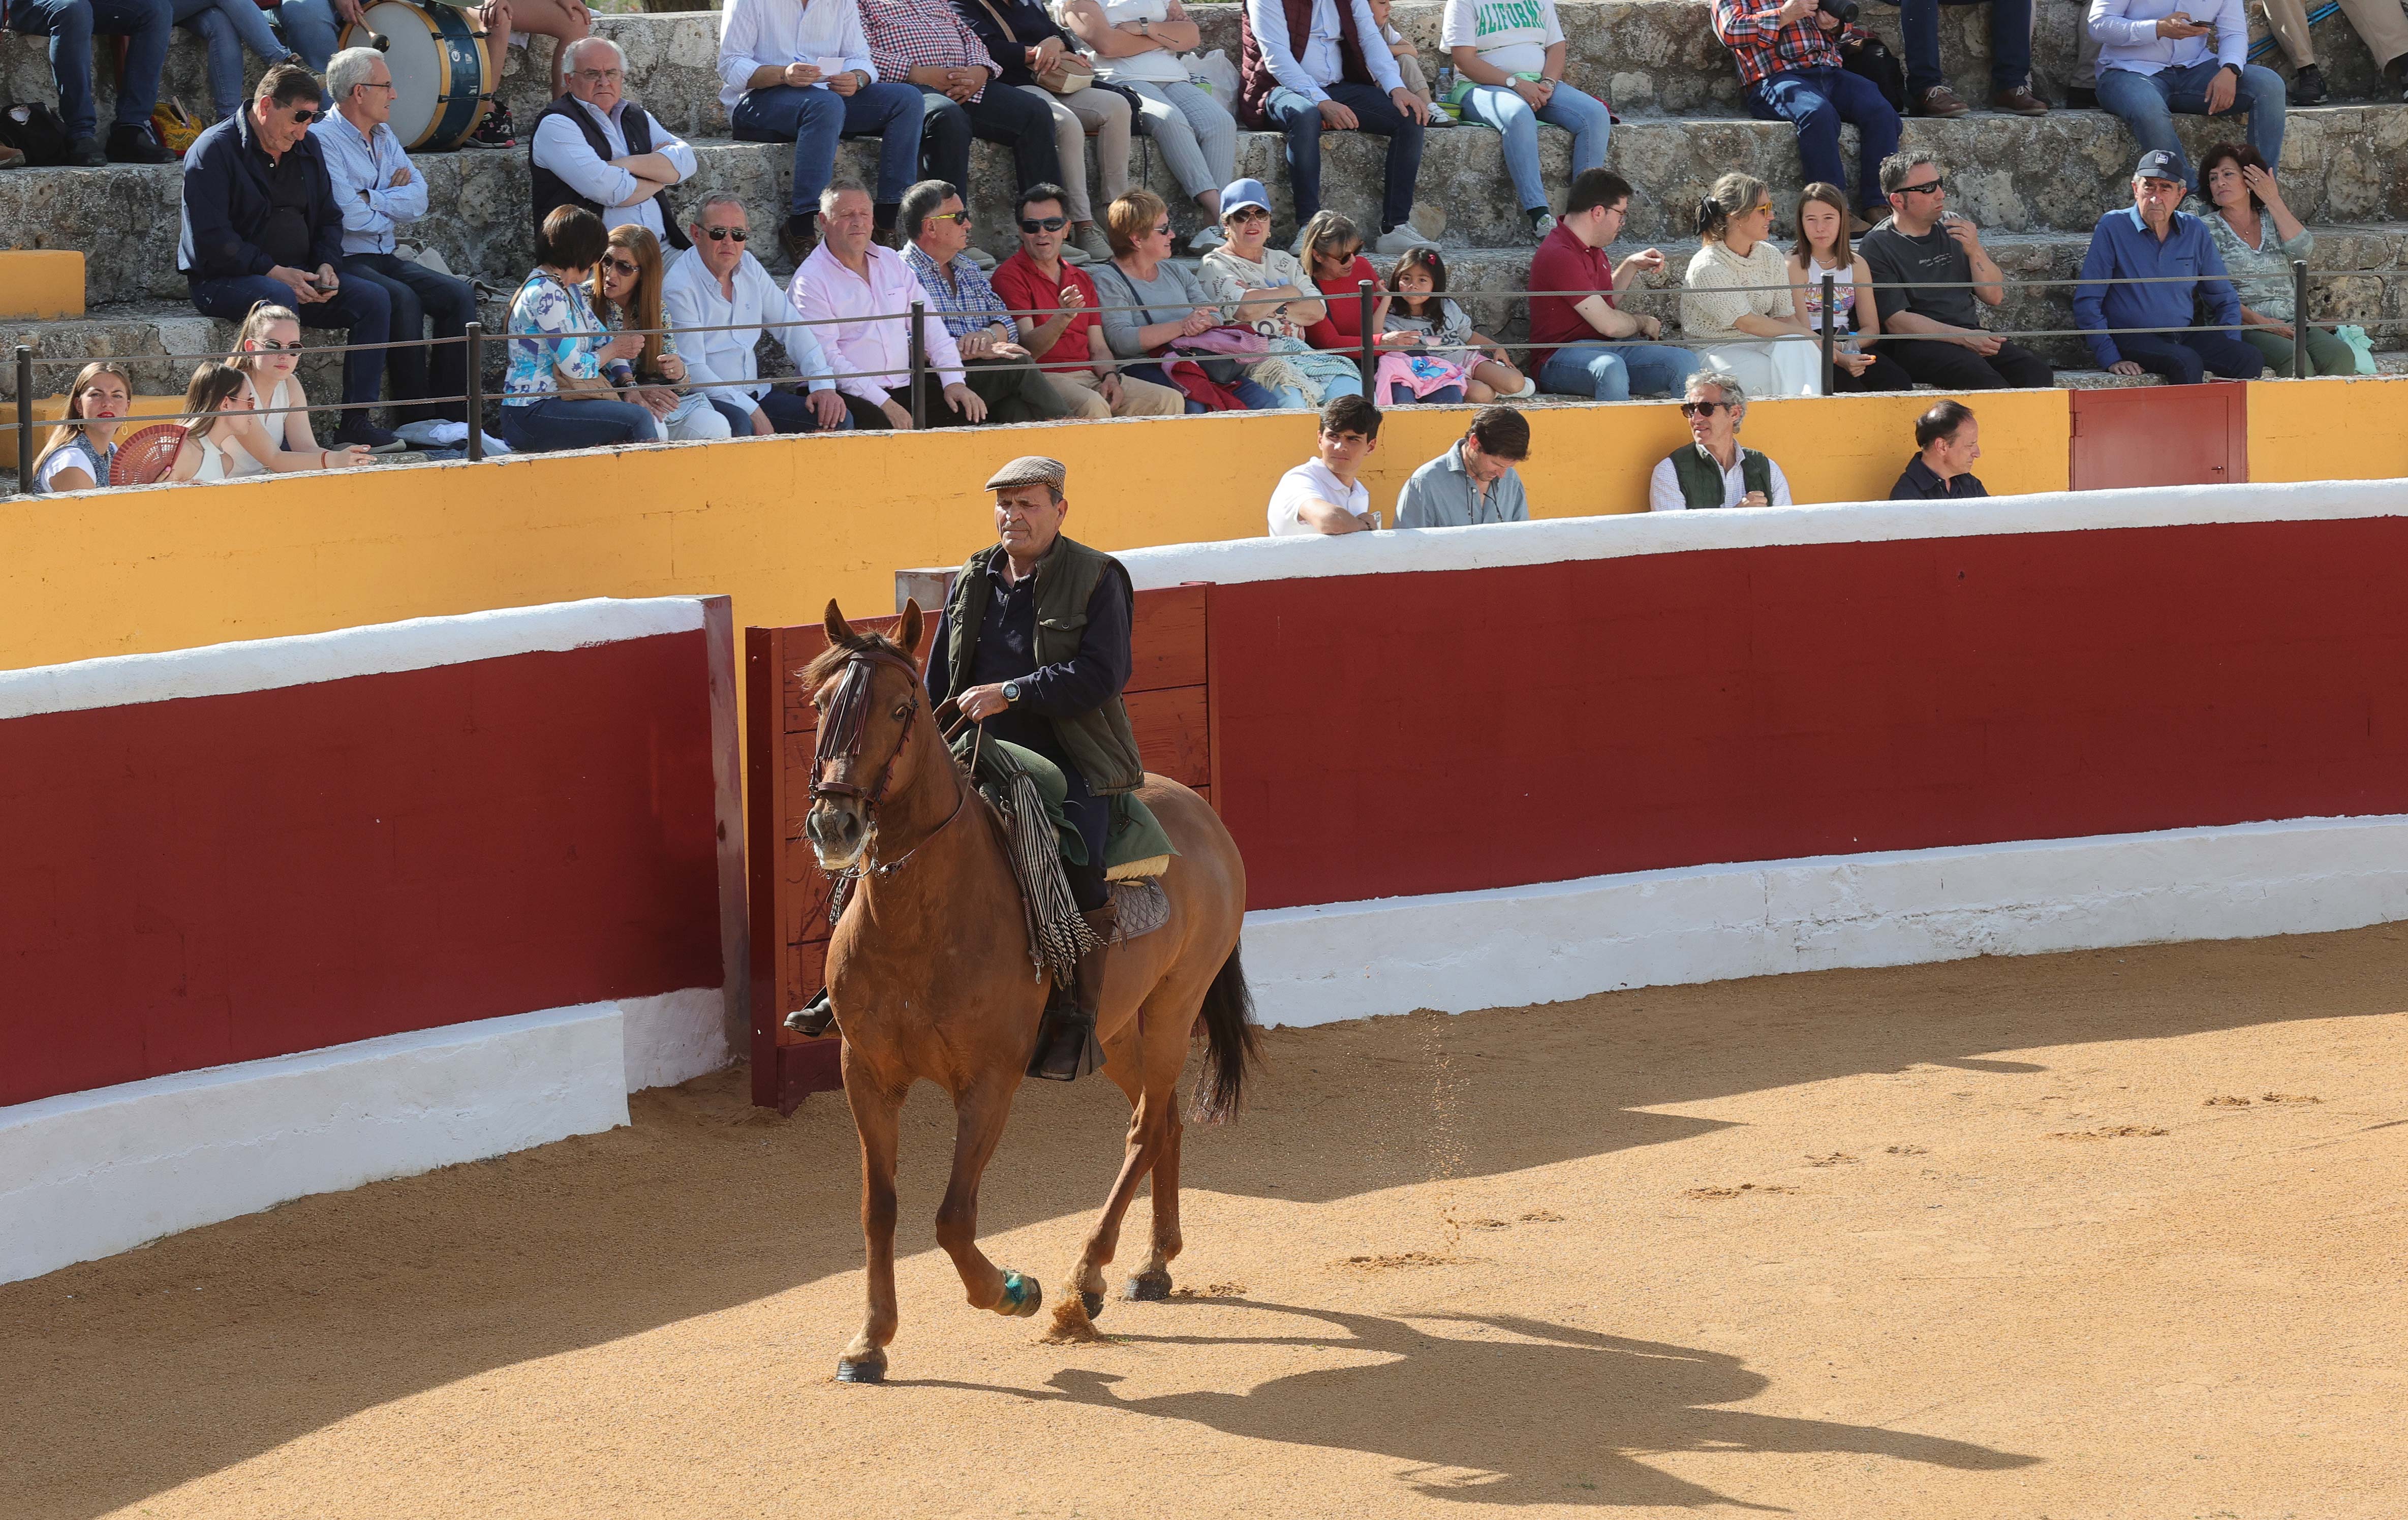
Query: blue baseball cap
x,y
1243,192
2157,164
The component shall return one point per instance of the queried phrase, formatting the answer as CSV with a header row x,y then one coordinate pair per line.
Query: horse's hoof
x,y
1022,1297
1093,1302
869,1368
1151,1288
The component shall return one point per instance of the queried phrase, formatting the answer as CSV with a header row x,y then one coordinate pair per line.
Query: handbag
x,y
1071,73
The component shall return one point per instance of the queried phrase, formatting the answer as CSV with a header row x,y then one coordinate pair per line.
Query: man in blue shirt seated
x,y
2153,240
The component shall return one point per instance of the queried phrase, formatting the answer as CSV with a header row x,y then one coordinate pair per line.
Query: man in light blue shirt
x,y
378,190
1474,481
1308,65
2155,59
2153,241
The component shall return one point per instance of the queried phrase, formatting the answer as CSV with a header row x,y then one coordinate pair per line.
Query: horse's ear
x,y
839,633
908,633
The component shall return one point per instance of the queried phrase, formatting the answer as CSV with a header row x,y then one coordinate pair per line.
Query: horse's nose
x,y
834,829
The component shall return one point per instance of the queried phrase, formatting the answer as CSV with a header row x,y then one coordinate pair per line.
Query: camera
x,y
1843,11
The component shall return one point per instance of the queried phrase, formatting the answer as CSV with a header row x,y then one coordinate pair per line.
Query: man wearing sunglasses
x,y
1925,260
1712,469
1038,279
996,369
260,225
719,287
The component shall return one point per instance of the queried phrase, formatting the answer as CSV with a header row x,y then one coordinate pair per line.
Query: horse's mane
x,y
825,663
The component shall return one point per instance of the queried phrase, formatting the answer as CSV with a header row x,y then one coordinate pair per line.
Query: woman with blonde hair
x,y
626,295
269,353
77,457
1822,249
223,441
1737,298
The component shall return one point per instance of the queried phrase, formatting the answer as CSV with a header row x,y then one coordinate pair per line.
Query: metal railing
x,y
1367,353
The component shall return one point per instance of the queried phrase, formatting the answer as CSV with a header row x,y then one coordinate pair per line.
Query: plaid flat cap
x,y
1030,469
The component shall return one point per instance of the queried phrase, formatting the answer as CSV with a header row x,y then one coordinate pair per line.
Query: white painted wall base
x,y
1455,952
88,1174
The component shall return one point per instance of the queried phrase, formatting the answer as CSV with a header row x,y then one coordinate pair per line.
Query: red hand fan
x,y
147,455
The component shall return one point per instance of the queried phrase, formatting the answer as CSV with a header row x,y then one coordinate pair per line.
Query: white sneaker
x,y
1399,239
1439,117
1206,239
1545,225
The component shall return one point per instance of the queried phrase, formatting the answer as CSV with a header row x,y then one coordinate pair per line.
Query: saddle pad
x,y
1144,907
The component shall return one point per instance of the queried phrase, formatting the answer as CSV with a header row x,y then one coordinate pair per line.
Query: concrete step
x,y
2012,175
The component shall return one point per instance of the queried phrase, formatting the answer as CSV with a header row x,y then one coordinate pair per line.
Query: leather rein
x,y
841,732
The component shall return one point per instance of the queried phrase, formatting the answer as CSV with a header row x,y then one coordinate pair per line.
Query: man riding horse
x,y
1034,643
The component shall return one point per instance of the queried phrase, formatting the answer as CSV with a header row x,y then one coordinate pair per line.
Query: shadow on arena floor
x,y
132,1375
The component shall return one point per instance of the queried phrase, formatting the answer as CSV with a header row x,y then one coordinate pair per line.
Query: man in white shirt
x,y
2155,58
1712,469
1308,65
1323,496
717,285
799,71
377,191
856,287
595,148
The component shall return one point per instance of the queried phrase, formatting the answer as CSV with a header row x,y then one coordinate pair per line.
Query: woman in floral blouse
x,y
555,395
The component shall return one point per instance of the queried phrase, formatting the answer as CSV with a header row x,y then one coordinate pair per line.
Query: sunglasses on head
x,y
625,266
1044,224
721,235
1701,409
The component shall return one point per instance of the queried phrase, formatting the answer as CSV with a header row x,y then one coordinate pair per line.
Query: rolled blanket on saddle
x,y
1137,845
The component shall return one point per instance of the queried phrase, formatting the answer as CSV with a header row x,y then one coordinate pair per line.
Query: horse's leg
x,y
877,1114
979,1112
1146,1126
1152,1278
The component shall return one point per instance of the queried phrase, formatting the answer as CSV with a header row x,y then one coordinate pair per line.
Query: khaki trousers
x,y
1098,111
2379,24
1081,397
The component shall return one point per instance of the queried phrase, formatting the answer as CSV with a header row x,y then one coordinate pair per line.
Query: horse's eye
x,y
902,712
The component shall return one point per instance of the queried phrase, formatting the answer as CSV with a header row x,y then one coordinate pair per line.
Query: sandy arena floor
x,y
2014,1237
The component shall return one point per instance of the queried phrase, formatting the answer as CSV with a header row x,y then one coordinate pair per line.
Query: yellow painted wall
x,y
40,284
2328,429
780,524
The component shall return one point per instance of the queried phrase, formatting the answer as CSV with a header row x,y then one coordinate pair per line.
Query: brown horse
x,y
931,975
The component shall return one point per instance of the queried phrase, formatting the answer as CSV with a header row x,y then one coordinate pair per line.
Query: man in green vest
x,y
1712,469
1034,643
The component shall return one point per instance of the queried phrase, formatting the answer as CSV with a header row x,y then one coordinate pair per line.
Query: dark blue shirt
x,y
1006,651
2123,246
1921,483
244,215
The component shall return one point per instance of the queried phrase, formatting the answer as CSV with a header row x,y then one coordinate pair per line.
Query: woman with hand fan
x,y
77,457
223,440
270,352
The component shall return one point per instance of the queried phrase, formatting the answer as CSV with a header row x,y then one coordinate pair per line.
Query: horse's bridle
x,y
839,739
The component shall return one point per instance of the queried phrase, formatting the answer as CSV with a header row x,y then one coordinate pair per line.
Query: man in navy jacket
x,y
261,224
2154,239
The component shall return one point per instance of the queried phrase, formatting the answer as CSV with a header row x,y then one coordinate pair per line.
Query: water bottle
x,y
1445,80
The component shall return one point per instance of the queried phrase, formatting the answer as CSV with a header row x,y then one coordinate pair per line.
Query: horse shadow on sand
x,y
1515,1411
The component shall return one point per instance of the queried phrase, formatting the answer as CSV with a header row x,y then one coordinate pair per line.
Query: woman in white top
x,y
1509,64
76,458
225,441
1135,45
1823,249
268,352
1265,289
1737,297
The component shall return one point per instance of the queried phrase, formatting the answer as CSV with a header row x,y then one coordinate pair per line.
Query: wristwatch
x,y
1011,690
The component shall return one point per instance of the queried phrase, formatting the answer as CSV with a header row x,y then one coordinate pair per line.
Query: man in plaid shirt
x,y
925,42
995,369
1793,72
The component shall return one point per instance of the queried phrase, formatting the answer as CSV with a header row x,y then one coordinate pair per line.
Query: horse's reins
x,y
839,739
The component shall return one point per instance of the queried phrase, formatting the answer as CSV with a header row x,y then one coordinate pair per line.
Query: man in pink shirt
x,y
1068,343
866,289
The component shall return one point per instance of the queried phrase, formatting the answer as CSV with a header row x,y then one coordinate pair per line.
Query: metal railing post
x,y
2298,319
919,368
474,334
1363,295
25,418
1830,334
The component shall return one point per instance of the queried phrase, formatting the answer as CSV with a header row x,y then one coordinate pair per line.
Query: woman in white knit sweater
x,y
1737,298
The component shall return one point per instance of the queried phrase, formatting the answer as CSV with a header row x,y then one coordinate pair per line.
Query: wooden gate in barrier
x,y
1170,697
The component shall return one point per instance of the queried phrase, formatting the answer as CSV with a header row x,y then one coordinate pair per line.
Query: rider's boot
x,y
812,1019
1072,1052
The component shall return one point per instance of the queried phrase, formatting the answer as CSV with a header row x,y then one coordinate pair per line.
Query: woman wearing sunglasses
x,y
1265,288
269,353
555,395
626,293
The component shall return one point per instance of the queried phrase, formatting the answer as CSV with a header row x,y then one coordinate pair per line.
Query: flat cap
x,y
1030,469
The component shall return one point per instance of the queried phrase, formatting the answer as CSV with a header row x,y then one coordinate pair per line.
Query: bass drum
x,y
441,70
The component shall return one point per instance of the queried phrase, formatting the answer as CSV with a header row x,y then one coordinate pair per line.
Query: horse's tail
x,y
1230,1031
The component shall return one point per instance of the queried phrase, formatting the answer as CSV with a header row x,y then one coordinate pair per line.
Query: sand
x,y
2021,1237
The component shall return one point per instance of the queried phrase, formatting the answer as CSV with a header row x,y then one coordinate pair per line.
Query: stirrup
x,y
812,1019
1058,1027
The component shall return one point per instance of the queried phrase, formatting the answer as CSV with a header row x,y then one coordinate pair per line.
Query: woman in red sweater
x,y
1332,251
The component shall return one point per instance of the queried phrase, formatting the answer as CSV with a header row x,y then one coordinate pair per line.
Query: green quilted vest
x,y
1702,478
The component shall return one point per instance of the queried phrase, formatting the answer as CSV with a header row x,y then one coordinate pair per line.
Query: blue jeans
x,y
313,30
542,426
813,119
225,27
359,306
1288,398
787,411
1584,116
2184,358
2009,43
1815,101
416,294
1301,119
2148,102
1606,374
69,24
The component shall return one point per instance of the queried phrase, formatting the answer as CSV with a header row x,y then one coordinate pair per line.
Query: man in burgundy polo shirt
x,y
1571,260
1036,279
